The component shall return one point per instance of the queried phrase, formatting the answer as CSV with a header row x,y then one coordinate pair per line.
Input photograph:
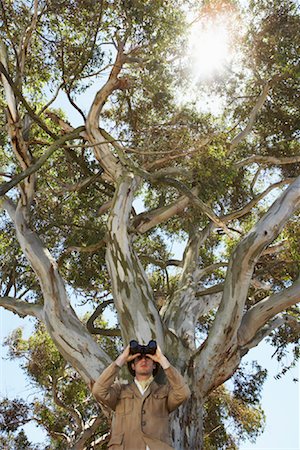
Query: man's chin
x,y
145,372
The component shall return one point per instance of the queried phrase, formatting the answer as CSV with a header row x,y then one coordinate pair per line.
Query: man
x,y
141,408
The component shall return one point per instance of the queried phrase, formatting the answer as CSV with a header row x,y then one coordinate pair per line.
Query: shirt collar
x,y
143,385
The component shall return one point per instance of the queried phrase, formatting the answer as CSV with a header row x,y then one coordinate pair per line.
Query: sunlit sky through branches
x,y
209,47
213,51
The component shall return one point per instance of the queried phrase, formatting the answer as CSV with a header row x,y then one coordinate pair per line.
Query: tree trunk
x,y
187,425
133,296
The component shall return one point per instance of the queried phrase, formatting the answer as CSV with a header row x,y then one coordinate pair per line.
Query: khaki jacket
x,y
140,420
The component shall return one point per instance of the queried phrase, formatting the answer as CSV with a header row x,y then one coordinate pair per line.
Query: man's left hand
x,y
160,358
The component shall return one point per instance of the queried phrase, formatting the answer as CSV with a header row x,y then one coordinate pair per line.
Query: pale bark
x,y
231,334
145,221
263,311
21,308
103,152
268,160
10,98
187,423
16,94
131,290
260,101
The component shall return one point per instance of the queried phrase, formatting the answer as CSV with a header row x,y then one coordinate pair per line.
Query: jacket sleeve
x,y
105,389
179,390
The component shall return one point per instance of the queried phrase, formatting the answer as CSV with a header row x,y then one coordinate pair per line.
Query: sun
x,y
209,47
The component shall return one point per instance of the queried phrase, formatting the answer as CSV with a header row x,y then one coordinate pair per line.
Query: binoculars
x,y
149,349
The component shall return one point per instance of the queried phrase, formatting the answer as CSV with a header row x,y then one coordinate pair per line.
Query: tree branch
x,y
263,311
21,308
260,101
267,329
19,95
268,160
181,154
102,152
87,434
101,331
10,98
68,333
145,221
5,187
200,273
72,411
25,41
211,290
181,312
132,293
247,208
196,201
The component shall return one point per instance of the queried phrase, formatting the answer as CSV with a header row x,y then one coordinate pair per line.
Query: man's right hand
x,y
125,357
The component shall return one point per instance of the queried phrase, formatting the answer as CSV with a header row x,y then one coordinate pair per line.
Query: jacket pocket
x,y
125,403
116,439
160,404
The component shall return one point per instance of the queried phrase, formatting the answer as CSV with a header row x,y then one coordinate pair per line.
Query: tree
x,y
228,185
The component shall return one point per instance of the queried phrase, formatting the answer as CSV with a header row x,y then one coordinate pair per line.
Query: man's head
x,y
142,367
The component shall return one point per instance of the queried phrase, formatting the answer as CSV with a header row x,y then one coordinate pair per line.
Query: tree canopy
x,y
92,208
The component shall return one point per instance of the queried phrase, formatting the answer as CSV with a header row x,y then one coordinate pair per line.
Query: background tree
x,y
228,185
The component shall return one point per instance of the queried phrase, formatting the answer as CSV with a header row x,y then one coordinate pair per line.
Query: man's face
x,y
143,366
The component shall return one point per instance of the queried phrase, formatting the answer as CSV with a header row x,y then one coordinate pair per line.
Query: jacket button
x,y
143,411
143,424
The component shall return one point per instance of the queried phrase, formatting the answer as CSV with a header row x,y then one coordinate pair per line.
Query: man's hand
x,y
125,357
160,358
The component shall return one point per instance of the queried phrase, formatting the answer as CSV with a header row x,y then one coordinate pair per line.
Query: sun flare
x,y
209,47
